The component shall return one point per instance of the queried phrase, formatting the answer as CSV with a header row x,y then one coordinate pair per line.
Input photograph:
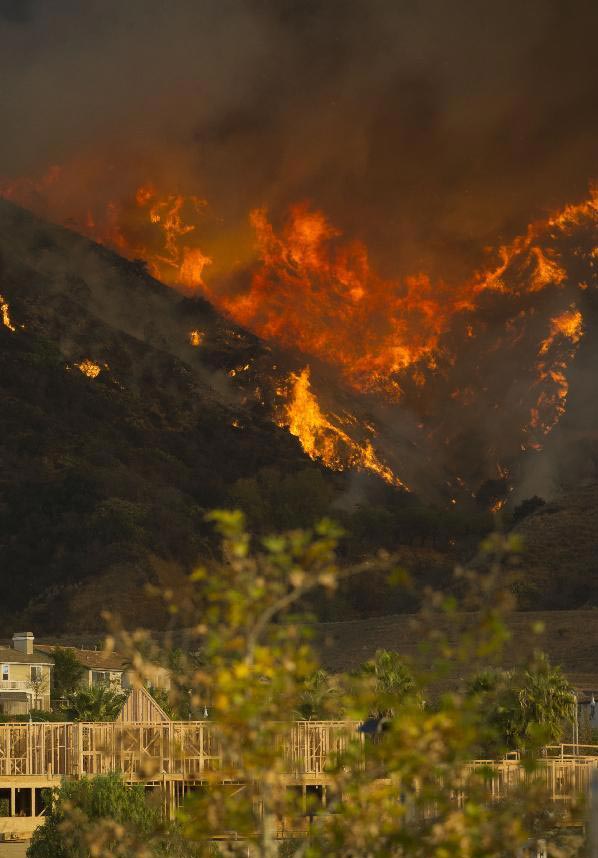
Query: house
x,y
25,676
111,669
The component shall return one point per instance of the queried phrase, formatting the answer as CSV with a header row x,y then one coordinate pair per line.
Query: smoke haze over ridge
x,y
429,130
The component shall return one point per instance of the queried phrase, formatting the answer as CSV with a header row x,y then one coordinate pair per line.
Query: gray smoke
x,y
430,129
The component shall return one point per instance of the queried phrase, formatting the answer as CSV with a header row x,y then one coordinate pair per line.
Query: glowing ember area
x,y
446,352
176,262
568,324
308,287
158,228
314,292
320,438
565,328
89,368
5,313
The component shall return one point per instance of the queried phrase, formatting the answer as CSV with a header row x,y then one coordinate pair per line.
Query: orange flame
x,y
313,292
320,438
311,289
551,403
89,368
5,313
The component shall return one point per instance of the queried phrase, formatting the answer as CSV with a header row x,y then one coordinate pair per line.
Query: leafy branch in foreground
x,y
410,790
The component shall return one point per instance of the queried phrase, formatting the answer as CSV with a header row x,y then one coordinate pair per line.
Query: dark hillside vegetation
x,y
105,477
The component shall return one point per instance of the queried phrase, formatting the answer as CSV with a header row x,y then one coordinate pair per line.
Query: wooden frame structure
x,y
146,749
176,756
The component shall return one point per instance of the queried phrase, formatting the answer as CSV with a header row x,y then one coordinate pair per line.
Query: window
x,y
36,673
4,673
100,677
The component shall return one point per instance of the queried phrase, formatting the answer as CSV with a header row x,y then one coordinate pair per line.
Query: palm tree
x,y
320,699
393,681
546,699
525,705
98,703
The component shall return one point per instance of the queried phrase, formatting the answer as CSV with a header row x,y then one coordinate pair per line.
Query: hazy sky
x,y
429,129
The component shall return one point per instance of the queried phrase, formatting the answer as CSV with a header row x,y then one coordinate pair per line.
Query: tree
x,y
321,698
67,672
98,703
528,706
39,684
99,815
527,507
393,682
418,794
546,700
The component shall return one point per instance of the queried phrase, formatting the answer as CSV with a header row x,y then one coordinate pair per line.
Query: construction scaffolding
x,y
178,756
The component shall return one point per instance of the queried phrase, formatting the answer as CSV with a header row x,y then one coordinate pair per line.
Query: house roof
x,y
92,659
10,655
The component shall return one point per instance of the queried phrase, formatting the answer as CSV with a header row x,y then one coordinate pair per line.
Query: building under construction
x,y
176,757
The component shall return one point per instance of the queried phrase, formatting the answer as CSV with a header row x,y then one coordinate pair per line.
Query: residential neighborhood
x,y
25,681
26,677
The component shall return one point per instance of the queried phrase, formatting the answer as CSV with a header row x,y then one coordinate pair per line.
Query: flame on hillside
x,y
551,368
307,287
5,314
323,440
89,368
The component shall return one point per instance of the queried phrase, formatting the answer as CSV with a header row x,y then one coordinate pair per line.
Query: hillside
x,y
104,476
561,552
568,637
128,411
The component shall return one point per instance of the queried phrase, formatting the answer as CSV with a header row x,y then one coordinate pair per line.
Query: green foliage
x,y
546,699
412,790
275,501
259,669
67,672
321,698
164,700
118,520
35,715
526,707
393,682
69,829
98,703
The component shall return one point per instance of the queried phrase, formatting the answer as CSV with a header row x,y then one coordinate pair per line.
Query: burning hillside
x,y
430,348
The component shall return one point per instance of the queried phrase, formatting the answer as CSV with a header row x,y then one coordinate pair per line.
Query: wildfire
x,y
89,368
568,324
311,289
313,292
320,438
551,402
308,287
5,313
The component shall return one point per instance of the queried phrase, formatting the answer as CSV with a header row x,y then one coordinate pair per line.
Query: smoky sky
x,y
428,129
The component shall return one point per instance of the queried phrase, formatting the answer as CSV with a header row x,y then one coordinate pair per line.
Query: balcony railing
x,y
15,685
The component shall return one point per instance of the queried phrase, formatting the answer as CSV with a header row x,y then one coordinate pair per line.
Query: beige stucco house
x,y
111,669
25,676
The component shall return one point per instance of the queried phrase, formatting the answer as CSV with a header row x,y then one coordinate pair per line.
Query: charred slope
x,y
117,432
127,411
